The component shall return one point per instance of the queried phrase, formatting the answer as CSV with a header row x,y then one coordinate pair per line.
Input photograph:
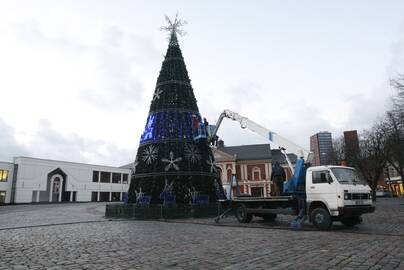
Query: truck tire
x,y
242,215
321,218
269,217
351,221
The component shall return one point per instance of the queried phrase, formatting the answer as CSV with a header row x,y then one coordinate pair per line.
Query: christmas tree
x,y
172,157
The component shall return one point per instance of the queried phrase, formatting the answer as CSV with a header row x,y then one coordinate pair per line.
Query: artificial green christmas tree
x,y
172,158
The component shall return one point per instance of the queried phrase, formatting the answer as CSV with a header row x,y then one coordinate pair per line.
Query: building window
x,y
229,175
3,175
94,196
2,197
105,177
104,196
256,173
116,178
95,176
116,196
125,178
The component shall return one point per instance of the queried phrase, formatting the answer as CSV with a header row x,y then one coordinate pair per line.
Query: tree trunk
x,y
373,187
373,195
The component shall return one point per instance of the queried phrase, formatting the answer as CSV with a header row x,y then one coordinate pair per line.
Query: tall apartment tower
x,y
321,146
351,146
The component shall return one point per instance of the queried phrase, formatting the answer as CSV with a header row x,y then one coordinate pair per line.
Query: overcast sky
x,y
77,77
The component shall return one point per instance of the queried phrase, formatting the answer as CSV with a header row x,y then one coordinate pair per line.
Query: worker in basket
x,y
278,177
198,128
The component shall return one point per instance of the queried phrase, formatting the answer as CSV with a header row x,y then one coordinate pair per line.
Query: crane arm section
x,y
274,138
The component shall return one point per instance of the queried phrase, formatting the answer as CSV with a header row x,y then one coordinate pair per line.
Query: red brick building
x,y
252,166
351,146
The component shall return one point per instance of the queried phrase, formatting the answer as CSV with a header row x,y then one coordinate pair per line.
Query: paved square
x,y
77,236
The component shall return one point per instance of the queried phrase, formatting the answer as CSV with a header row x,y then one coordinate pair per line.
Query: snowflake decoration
x,y
150,154
157,94
139,194
168,188
192,153
193,195
212,164
171,162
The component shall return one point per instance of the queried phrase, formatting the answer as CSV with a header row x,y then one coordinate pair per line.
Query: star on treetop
x,y
173,27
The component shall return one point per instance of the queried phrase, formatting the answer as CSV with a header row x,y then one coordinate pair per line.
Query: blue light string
x,y
169,125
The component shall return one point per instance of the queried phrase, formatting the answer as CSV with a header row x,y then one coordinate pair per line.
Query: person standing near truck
x,y
278,176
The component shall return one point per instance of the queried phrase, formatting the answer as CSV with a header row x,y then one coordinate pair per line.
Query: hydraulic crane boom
x,y
275,139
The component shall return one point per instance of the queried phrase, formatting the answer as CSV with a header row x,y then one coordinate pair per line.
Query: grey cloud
x,y
243,94
9,147
118,57
30,32
113,36
307,121
397,54
252,101
367,109
49,143
122,95
123,59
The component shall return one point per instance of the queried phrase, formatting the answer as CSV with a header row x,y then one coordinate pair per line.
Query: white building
x,y
31,180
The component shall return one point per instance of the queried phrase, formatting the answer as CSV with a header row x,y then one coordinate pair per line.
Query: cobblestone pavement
x,y
12,216
388,219
97,243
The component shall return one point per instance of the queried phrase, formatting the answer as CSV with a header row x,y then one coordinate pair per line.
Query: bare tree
x,y
338,153
371,159
393,131
393,128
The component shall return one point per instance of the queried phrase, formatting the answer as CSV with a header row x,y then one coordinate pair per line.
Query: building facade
x,y
252,167
321,146
34,180
392,181
351,141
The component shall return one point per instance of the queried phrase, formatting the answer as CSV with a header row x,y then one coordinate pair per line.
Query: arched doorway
x,y
56,188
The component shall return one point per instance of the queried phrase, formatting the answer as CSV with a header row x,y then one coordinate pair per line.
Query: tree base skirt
x,y
159,211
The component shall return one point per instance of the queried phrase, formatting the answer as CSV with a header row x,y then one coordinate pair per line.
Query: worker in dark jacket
x,y
278,177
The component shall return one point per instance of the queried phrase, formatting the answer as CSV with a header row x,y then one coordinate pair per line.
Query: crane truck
x,y
324,194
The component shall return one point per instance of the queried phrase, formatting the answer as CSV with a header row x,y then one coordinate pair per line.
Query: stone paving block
x,y
198,244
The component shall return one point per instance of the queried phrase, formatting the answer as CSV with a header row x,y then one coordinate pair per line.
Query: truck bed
x,y
264,199
269,205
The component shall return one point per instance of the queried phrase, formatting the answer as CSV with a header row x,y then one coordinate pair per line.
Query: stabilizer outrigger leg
x,y
296,224
234,182
223,215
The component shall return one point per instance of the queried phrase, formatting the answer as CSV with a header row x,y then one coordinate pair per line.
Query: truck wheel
x,y
321,218
269,217
242,215
351,221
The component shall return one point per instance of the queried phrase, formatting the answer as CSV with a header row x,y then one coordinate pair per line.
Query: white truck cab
x,y
336,193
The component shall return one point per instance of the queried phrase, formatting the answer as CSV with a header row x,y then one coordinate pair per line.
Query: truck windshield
x,y
346,176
